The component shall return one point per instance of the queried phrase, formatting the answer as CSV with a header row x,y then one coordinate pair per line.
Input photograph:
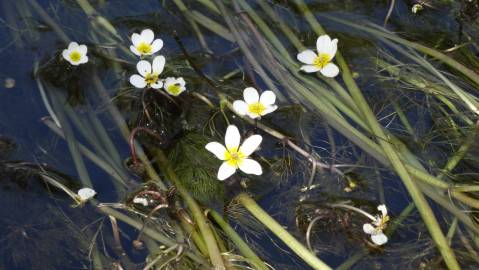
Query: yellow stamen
x,y
151,78
173,89
144,48
382,224
75,56
322,60
234,157
256,108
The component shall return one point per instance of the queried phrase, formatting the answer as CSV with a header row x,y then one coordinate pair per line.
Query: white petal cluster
x,y
375,229
76,54
85,194
149,74
255,105
145,43
174,86
321,61
235,156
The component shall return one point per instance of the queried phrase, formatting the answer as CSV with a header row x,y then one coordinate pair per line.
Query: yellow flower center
x,y
151,78
173,89
144,48
256,108
322,60
382,224
234,157
75,56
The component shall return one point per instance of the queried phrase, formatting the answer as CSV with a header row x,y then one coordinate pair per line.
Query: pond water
x,y
324,165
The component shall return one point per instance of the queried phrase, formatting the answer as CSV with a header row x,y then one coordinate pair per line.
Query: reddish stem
x,y
131,141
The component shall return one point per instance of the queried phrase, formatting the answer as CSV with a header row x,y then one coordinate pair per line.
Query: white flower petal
x,y
66,54
135,39
379,239
159,64
143,67
147,36
253,115
137,81
232,137
72,46
330,70
86,193
157,85
334,48
369,228
250,95
74,63
267,98
310,68
169,81
307,56
324,44
217,149
181,81
134,50
82,49
83,60
142,201
383,209
156,45
225,171
269,109
250,144
250,166
240,107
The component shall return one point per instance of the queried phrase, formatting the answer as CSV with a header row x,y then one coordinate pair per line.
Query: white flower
x,y
85,194
378,225
253,105
75,54
174,86
144,43
322,60
149,73
234,156
139,200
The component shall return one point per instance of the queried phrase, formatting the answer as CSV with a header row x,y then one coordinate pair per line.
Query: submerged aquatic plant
x,y
255,105
236,156
75,54
145,43
149,73
321,61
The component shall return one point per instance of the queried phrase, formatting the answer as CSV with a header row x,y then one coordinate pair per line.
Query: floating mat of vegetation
x,y
239,134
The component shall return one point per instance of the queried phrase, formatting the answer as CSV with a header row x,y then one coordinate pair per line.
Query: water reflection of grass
x,y
371,135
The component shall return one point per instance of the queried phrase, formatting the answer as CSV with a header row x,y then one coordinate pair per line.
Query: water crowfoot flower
x,y
255,105
174,86
85,194
149,73
144,43
378,225
236,156
140,200
75,54
321,61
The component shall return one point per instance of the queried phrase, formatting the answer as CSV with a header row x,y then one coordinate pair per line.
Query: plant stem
x,y
195,209
281,233
240,244
391,153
